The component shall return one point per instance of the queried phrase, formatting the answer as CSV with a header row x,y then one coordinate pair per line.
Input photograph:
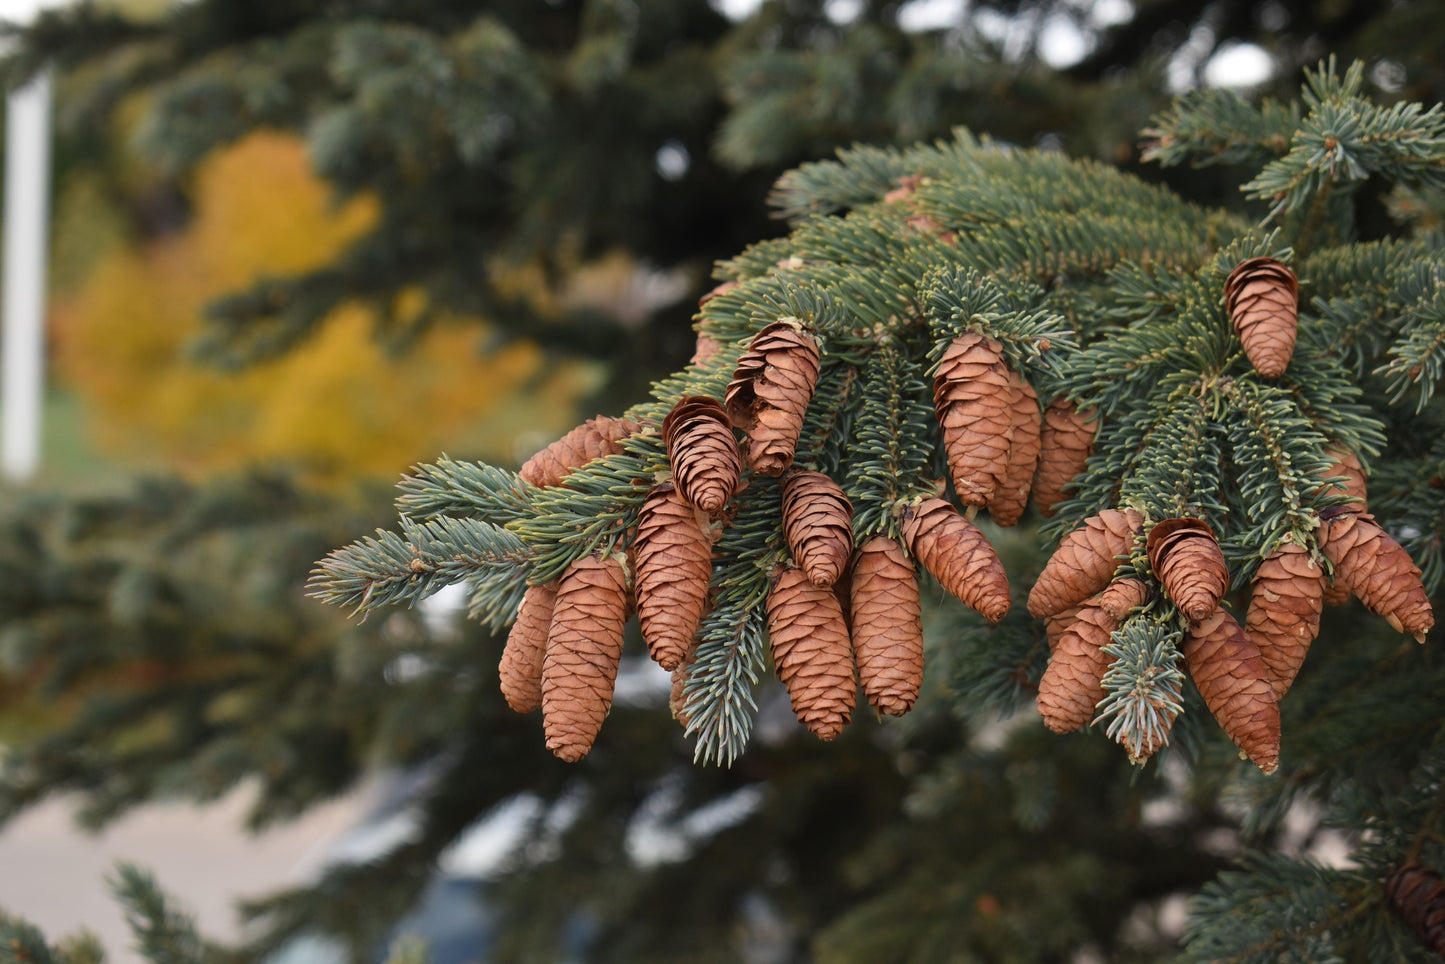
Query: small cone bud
x,y
818,524
1057,624
706,466
887,626
1072,686
1417,896
521,666
1065,444
1234,680
592,439
770,392
811,653
1012,495
1189,565
583,651
1284,611
1262,297
1377,570
1124,595
958,556
1085,561
672,558
972,398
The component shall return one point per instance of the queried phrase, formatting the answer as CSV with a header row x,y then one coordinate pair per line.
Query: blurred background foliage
x,y
302,245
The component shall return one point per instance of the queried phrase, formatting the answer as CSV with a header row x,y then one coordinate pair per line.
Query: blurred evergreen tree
x,y
168,623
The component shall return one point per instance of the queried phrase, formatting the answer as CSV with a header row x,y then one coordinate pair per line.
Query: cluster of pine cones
x,y
838,607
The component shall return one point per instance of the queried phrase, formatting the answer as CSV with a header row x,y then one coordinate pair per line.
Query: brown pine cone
x,y
521,666
973,401
907,185
1085,561
1262,297
818,524
1189,564
1376,569
706,465
1233,678
811,653
672,562
770,392
887,626
1284,611
1056,625
1417,895
1347,464
677,695
1012,495
707,346
583,651
1124,595
1072,686
1065,444
958,556
592,439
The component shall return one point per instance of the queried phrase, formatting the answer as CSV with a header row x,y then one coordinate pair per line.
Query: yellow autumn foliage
x,y
336,407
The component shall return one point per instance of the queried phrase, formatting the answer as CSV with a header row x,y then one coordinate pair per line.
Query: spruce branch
x,y
1143,686
163,934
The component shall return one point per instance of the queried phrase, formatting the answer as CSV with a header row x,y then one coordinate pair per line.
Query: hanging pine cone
x,y
672,562
811,653
1347,465
677,695
887,626
1189,564
592,439
818,524
770,392
521,666
1234,680
1085,561
1072,685
1284,611
583,649
1376,569
1057,624
958,556
1066,441
1012,495
706,466
1417,895
1124,595
972,399
1262,298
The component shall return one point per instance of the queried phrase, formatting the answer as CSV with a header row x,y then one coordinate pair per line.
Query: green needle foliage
x,y
1099,289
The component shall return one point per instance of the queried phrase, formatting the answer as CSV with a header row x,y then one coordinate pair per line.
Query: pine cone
x,y
1284,611
811,653
1347,464
706,466
1124,595
1085,561
818,524
1056,625
672,560
1417,895
592,439
707,346
1262,297
972,398
887,626
521,666
770,391
1377,570
907,185
1189,565
583,650
1072,686
677,695
958,556
1065,444
1012,495
1233,678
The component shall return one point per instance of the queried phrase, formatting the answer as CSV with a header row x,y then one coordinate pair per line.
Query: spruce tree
x,y
940,834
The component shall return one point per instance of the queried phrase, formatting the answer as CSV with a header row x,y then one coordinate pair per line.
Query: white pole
x,y
27,202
